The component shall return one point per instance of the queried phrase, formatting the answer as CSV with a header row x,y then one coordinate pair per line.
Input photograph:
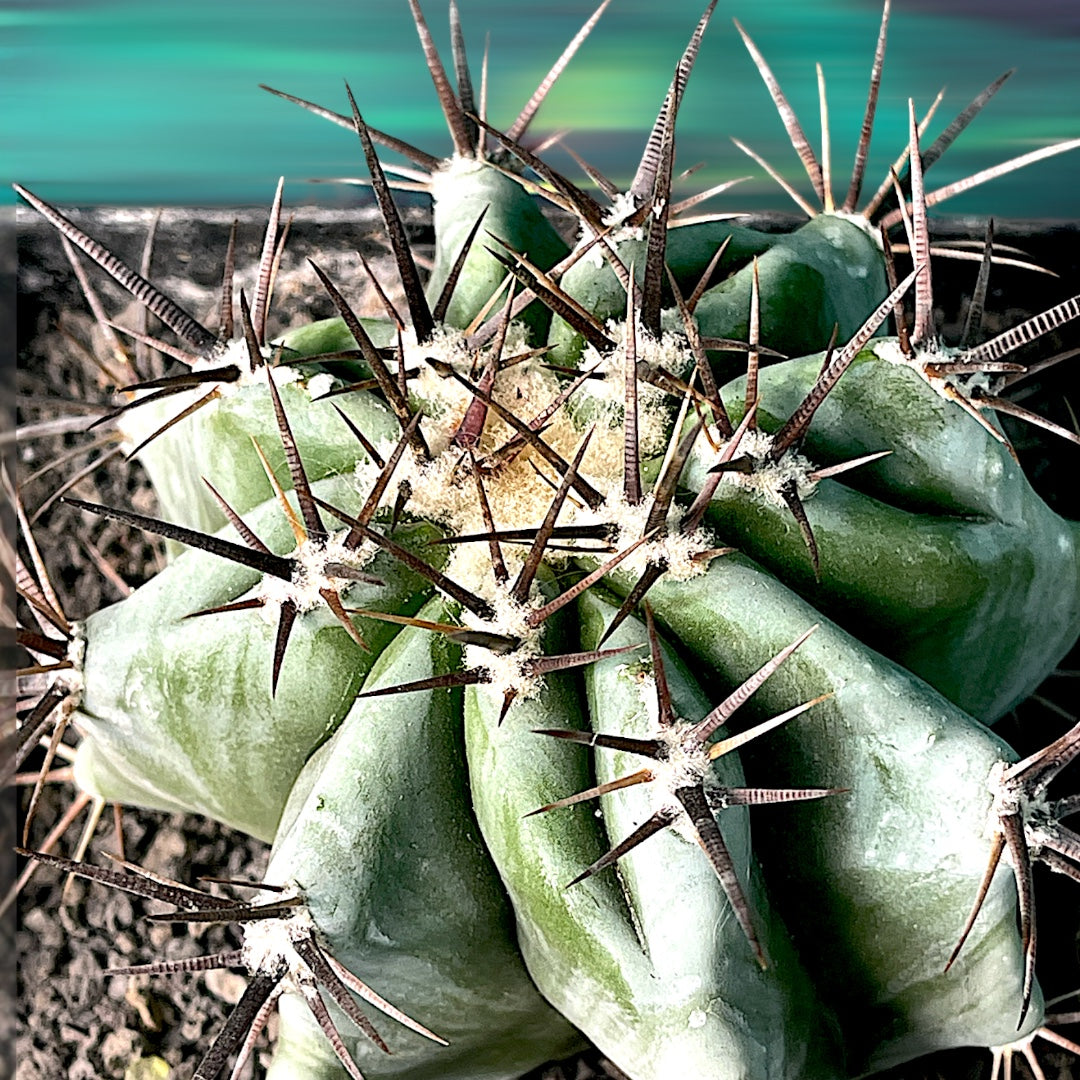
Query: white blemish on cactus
x,y
676,549
767,478
508,672
607,396
319,384
836,236
1011,798
453,173
925,356
268,944
71,679
682,764
311,575
232,353
236,352
622,206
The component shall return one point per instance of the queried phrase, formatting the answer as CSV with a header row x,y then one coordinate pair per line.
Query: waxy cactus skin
x,y
519,617
900,850
409,897
940,554
172,703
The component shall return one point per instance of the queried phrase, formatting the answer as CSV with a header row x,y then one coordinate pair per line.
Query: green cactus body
x,y
829,272
874,885
941,555
664,994
435,843
594,285
379,835
332,335
179,713
463,189
215,442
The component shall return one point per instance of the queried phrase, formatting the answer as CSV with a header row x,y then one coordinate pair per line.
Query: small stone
x,y
138,997
160,934
227,985
124,943
45,927
165,852
82,1069
119,1048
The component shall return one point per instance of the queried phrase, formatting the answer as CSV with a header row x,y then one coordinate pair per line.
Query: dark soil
x,y
75,1022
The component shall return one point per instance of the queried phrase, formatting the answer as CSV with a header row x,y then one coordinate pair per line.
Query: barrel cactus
x,y
605,635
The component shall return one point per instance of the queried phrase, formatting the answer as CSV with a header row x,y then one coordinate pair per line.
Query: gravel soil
x,y
73,1021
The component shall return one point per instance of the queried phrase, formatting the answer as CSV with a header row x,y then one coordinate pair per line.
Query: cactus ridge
x,y
975,368
683,758
878,209
1030,828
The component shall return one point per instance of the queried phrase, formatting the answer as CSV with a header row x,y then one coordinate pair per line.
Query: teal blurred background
x,y
144,102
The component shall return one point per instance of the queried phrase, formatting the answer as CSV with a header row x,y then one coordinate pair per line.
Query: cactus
x,y
523,542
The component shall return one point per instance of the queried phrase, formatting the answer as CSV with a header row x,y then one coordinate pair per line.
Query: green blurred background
x,y
151,102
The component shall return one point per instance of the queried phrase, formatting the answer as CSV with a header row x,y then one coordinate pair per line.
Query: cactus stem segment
x,y
682,771
438,312
316,572
817,169
753,354
970,374
1029,827
770,464
562,304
